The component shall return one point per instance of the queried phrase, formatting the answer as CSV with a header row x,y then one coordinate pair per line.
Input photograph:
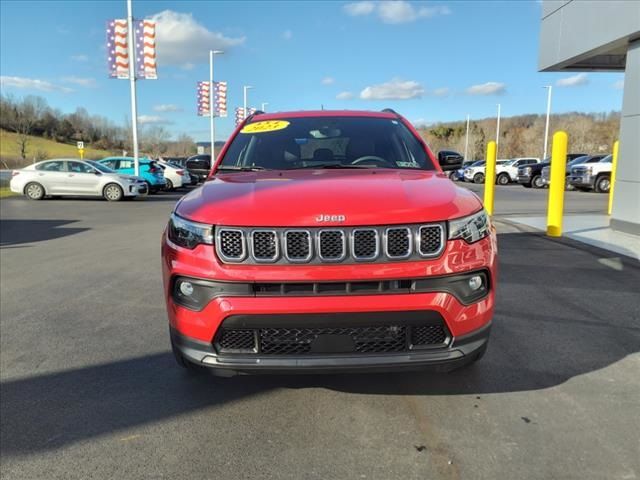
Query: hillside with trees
x,y
31,117
523,135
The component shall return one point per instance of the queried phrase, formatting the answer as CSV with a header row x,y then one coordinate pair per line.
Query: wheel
x,y
503,179
478,178
452,175
603,184
537,182
150,189
169,185
34,191
112,192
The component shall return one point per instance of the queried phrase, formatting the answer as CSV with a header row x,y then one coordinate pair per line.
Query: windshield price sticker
x,y
266,126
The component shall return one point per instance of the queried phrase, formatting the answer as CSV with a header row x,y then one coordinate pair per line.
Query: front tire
x,y
34,191
478,178
537,182
603,184
503,179
113,192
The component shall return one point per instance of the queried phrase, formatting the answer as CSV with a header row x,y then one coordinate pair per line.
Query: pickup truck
x,y
592,176
508,172
531,175
546,171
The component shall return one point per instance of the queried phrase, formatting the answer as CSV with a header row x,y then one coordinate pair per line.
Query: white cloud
x,y
167,107
80,58
328,81
441,92
152,120
31,84
489,88
574,81
181,40
396,89
287,34
619,85
394,11
80,81
356,9
344,96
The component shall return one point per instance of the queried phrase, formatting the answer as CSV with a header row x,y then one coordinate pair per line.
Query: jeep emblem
x,y
330,218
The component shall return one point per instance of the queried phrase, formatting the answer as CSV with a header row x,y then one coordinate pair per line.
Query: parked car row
x,y
111,178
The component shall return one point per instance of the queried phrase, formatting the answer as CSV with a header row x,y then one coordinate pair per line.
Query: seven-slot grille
x,y
300,340
329,245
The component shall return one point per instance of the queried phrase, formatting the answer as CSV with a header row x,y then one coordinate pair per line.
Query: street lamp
x,y
264,106
498,131
212,125
244,110
546,127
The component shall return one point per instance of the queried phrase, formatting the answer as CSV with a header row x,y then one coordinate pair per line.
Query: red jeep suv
x,y
328,241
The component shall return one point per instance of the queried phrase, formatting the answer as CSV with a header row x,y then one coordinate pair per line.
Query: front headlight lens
x,y
188,234
472,228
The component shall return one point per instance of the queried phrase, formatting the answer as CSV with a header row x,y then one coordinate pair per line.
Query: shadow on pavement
x,y
561,313
16,232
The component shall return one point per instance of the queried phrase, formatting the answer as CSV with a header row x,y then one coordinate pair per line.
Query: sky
x,y
430,61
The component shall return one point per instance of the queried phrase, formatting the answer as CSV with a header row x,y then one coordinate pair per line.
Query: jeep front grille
x,y
329,245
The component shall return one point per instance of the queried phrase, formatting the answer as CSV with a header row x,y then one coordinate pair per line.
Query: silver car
x,y
63,176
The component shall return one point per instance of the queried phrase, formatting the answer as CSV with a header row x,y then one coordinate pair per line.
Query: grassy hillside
x,y
39,147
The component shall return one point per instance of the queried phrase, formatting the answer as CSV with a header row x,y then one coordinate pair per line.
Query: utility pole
x,y
546,127
132,82
212,113
263,107
466,141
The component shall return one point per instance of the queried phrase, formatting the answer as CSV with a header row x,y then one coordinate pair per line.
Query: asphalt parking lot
x,y
89,388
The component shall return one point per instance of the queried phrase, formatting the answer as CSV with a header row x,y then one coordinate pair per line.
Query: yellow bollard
x,y
490,177
557,184
614,165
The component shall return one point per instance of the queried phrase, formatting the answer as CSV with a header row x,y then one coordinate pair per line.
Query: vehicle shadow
x,y
561,313
17,232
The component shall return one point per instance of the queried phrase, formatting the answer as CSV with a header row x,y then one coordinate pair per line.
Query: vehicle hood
x,y
297,198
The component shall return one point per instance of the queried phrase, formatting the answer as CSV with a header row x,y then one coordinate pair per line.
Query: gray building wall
x,y
601,35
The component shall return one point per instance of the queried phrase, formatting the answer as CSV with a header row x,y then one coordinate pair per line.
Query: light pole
x,y
244,110
212,116
132,82
546,127
466,141
498,132
263,107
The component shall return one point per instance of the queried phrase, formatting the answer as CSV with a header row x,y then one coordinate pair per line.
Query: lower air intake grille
x,y
428,335
330,340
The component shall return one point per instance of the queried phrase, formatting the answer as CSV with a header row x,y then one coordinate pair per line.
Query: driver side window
x,y
78,167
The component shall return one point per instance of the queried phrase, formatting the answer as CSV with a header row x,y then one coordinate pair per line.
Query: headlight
x,y
471,229
188,234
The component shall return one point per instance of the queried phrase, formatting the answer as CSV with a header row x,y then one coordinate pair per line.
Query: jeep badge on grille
x,y
330,218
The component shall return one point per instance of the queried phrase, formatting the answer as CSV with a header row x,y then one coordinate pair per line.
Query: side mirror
x,y
449,160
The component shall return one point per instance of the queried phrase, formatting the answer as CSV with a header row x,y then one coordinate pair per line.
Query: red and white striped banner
x,y
146,66
117,48
240,114
219,99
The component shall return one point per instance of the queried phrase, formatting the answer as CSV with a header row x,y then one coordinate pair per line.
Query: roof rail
x,y
257,112
390,110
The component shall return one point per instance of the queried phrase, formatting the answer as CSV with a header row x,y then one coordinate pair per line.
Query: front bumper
x,y
582,180
522,178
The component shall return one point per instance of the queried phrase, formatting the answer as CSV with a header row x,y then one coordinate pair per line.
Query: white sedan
x,y
175,176
65,177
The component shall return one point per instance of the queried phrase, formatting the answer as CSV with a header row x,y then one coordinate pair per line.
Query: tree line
x,y
32,116
523,135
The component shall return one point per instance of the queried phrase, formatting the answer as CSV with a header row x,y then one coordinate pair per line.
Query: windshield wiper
x,y
332,165
235,168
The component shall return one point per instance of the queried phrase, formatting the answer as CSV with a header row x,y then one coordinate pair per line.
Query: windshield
x,y
606,159
479,163
325,142
100,167
578,160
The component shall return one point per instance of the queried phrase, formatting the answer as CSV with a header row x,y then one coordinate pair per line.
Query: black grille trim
x,y
338,245
265,246
224,251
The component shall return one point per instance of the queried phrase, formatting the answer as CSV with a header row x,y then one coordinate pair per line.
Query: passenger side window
x,y
57,166
78,167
